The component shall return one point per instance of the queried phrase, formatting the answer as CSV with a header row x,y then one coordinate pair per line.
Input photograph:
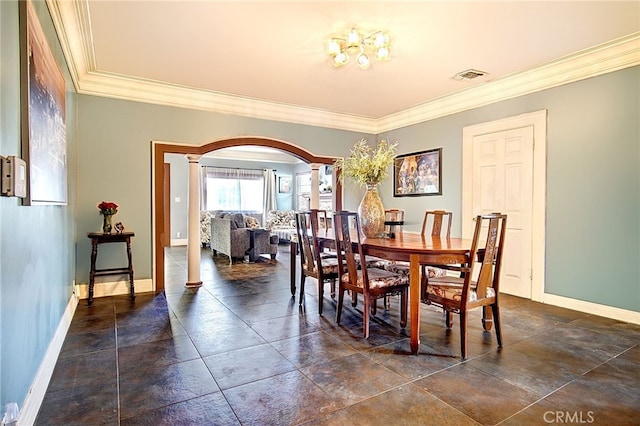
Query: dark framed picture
x,y
284,184
418,173
42,114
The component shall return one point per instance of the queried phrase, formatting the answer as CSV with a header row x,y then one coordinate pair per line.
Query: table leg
x,y
414,301
92,273
292,267
130,267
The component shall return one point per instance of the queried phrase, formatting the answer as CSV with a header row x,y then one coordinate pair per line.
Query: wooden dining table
x,y
412,247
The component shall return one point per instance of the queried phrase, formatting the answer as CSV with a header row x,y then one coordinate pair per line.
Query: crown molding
x,y
608,57
72,23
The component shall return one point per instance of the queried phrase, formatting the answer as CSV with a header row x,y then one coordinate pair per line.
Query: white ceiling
x,y
267,59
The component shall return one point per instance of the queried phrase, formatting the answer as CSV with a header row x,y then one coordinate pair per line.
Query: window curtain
x,y
203,188
269,191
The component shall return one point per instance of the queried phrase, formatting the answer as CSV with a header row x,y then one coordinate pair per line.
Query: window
x,y
233,189
303,191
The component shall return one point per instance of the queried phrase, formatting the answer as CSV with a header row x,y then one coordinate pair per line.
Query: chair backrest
x,y
321,217
393,215
436,218
489,255
306,228
348,245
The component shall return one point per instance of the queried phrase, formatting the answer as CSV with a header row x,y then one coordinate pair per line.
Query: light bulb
x,y
380,39
333,47
340,59
363,61
353,38
382,54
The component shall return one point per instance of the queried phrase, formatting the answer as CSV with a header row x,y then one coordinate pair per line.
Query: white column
x,y
315,186
193,223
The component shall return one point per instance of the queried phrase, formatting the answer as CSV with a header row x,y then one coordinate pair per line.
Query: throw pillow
x,y
238,219
251,222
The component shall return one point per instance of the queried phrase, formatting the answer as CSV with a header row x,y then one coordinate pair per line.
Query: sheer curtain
x,y
269,192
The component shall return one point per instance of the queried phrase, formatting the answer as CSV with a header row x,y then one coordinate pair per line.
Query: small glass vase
x,y
371,212
106,223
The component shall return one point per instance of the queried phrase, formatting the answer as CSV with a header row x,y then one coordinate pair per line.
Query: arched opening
x,y
159,149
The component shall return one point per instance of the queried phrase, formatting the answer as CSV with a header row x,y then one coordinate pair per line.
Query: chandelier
x,y
376,45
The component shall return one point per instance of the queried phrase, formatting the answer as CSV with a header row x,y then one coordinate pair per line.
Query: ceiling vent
x,y
469,74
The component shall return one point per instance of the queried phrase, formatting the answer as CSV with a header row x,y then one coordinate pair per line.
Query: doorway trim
x,y
159,149
538,120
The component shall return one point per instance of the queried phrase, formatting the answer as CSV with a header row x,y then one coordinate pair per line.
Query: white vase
x,y
371,212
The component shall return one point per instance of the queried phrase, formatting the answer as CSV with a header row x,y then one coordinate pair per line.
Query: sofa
x,y
282,223
231,235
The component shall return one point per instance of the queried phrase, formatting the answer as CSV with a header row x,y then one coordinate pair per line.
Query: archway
x,y
159,149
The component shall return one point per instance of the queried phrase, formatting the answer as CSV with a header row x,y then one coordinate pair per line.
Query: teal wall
x,y
37,248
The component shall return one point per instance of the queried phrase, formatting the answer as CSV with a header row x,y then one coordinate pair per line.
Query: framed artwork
x,y
284,184
42,114
418,173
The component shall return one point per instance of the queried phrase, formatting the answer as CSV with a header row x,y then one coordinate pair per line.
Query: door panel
x,y
503,182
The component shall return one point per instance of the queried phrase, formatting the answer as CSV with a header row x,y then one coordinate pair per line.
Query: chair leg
x,y
333,289
374,306
423,283
354,298
463,334
365,315
496,321
340,300
302,280
404,303
448,318
320,295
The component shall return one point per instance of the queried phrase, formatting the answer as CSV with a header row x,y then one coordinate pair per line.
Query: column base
x,y
194,284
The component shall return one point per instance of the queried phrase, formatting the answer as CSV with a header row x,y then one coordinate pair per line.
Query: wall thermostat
x,y
14,177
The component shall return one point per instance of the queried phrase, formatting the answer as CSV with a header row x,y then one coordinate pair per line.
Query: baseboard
x,y
179,242
35,396
592,308
113,288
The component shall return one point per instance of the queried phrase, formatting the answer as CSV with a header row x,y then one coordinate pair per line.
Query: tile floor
x,y
240,351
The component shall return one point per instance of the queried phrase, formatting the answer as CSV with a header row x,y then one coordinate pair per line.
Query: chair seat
x,y
403,268
372,261
328,255
329,266
378,262
451,288
379,278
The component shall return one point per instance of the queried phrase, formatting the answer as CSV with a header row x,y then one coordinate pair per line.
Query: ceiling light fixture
x,y
354,43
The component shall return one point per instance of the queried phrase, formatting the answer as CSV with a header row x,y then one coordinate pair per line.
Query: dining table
x,y
412,247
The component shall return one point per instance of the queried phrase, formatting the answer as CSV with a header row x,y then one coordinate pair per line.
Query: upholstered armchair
x,y
231,235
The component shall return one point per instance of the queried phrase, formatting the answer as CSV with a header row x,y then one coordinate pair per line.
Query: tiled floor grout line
x,y
115,323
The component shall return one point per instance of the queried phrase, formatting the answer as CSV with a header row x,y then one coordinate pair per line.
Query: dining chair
x,y
437,218
359,278
393,215
323,268
433,221
462,294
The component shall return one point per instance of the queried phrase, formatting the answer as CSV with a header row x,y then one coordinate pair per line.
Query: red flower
x,y
108,207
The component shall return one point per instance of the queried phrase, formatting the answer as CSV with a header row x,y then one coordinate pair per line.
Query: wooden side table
x,y
253,232
98,238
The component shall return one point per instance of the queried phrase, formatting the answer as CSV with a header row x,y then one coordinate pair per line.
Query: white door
x,y
503,182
